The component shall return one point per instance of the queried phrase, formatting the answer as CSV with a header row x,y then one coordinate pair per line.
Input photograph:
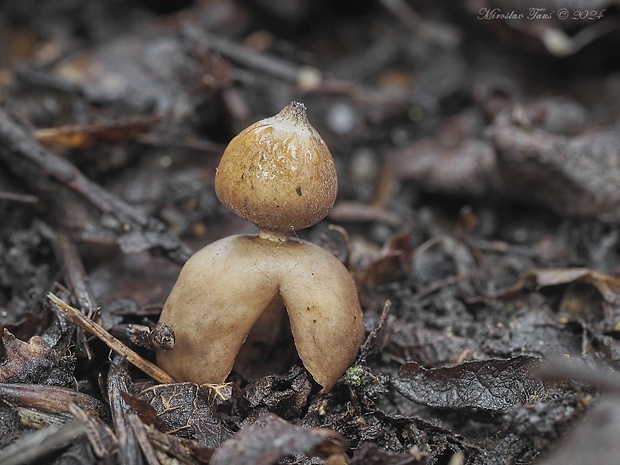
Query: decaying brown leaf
x,y
190,410
574,176
431,347
80,136
587,292
454,161
286,395
492,385
270,439
34,361
392,263
607,285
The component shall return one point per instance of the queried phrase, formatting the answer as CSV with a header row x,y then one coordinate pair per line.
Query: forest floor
x,y
478,150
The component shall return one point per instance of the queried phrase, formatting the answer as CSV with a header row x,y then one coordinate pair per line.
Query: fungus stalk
x,y
275,236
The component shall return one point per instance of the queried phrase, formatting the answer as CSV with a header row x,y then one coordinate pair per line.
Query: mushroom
x,y
279,174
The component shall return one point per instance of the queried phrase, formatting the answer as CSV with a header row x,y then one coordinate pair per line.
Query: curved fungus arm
x,y
326,319
226,287
221,292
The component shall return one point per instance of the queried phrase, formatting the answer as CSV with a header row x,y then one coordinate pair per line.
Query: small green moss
x,y
354,376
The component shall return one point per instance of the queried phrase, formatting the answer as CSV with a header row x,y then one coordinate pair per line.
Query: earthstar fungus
x,y
279,174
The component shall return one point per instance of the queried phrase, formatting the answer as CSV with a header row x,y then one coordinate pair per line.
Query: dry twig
x,y
79,319
41,443
44,171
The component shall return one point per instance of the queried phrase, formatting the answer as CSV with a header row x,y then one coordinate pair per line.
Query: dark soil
x,y
478,154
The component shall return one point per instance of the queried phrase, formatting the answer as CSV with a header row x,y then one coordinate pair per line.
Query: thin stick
x,y
41,443
79,319
305,76
35,164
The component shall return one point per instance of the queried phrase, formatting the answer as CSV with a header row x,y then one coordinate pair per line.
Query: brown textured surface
x,y
278,173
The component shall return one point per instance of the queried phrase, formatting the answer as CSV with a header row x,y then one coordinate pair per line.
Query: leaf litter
x,y
478,203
